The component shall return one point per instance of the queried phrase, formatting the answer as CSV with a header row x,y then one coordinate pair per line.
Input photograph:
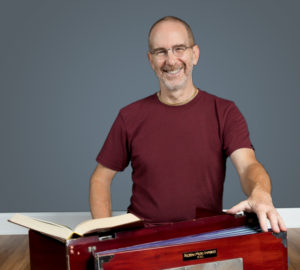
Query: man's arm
x,y
256,185
100,199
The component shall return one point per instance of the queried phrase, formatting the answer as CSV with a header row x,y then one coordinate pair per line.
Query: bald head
x,y
171,19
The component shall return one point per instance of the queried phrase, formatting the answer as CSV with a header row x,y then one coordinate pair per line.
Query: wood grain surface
x,y
294,248
14,251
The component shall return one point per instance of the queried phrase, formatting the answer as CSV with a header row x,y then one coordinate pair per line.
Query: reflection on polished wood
x,y
14,251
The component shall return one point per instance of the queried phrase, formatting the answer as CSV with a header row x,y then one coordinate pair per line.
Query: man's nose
x,y
170,57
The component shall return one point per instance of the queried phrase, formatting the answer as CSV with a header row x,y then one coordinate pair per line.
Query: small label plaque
x,y
202,254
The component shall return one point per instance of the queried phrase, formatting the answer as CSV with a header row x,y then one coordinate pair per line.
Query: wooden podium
x,y
212,242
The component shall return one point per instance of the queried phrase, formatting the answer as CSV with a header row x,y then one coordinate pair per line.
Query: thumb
x,y
242,206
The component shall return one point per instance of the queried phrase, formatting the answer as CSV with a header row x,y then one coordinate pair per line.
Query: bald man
x,y
178,140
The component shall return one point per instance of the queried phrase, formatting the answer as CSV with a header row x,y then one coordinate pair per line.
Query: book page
x,y
52,229
101,224
51,223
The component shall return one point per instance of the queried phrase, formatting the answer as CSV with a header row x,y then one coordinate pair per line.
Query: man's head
x,y
172,52
174,19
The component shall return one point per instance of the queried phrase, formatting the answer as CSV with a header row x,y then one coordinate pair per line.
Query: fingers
x,y
242,206
276,222
273,217
264,213
282,225
262,218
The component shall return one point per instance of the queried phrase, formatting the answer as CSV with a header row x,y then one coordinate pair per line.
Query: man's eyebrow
x,y
162,48
180,45
159,48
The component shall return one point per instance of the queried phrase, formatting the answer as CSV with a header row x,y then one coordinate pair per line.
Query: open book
x,y
63,233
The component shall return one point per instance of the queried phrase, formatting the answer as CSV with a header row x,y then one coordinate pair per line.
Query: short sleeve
x,y
114,153
235,132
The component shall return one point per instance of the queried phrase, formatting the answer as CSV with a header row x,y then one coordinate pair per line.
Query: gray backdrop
x,y
67,67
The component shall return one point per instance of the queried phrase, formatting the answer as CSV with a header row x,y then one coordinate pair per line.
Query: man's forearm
x,y
100,200
255,181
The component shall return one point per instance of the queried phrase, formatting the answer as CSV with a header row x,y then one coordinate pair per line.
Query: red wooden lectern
x,y
212,242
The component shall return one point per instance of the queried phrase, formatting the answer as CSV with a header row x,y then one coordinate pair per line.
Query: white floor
x,y
291,217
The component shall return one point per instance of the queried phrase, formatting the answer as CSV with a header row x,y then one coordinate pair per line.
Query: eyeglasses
x,y
178,51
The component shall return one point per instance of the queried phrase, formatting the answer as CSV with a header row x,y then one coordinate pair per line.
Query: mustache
x,y
171,68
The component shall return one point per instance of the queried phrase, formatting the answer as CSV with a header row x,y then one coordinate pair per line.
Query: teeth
x,y
173,71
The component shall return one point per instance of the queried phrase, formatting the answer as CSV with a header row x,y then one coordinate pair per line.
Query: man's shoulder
x,y
139,109
139,104
216,100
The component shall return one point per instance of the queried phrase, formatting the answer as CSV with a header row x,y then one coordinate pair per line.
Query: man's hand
x,y
264,209
256,185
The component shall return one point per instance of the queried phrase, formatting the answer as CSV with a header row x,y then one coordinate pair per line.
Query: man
x,y
177,142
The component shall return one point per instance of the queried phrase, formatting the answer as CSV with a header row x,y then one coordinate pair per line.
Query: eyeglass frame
x,y
165,51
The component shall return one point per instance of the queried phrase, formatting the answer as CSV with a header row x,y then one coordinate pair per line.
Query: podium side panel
x,y
46,253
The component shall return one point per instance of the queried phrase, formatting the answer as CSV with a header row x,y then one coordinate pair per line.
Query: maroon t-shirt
x,y
177,153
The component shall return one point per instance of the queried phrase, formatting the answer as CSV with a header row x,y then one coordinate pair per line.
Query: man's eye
x,y
160,52
179,49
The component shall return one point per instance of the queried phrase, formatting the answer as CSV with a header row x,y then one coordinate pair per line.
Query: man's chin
x,y
173,86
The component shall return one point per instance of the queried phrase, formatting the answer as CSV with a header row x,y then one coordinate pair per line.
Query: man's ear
x,y
196,52
150,59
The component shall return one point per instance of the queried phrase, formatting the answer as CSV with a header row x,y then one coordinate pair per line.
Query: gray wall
x,y
67,67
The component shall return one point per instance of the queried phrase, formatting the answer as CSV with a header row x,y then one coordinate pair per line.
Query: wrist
x,y
261,195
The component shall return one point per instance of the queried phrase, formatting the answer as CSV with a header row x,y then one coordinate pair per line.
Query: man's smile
x,y
172,72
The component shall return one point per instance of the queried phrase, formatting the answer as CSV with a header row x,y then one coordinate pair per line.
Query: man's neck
x,y
177,97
